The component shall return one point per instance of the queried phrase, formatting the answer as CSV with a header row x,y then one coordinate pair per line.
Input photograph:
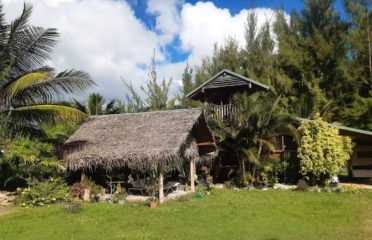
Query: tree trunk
x,y
369,49
258,158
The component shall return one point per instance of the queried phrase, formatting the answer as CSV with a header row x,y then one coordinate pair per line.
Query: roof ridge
x,y
149,112
340,126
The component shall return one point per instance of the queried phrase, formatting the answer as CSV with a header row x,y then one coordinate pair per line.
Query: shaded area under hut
x,y
148,141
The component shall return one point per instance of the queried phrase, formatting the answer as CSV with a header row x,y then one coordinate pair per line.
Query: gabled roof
x,y
141,140
243,79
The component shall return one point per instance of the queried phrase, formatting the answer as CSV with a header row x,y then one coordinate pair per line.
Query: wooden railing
x,y
221,112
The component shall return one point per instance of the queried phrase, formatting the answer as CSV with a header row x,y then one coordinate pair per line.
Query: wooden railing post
x,y
221,112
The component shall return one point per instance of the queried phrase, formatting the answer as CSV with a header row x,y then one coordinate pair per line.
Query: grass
x,y
226,214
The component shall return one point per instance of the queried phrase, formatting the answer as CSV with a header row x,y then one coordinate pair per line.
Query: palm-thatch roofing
x,y
140,140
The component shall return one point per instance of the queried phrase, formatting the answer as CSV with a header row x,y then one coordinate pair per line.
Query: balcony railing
x,y
221,112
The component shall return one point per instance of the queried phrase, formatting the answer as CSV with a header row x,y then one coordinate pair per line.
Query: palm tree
x,y
95,104
259,118
263,117
28,87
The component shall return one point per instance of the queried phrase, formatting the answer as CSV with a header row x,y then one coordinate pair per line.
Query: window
x,y
365,154
289,143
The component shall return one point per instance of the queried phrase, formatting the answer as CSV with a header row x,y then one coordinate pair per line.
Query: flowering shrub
x,y
322,151
44,193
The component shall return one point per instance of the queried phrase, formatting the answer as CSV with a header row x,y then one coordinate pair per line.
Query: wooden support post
x,y
161,185
83,176
192,174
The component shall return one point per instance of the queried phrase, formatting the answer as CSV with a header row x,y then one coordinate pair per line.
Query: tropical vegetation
x,y
34,122
315,63
318,61
250,135
96,104
29,88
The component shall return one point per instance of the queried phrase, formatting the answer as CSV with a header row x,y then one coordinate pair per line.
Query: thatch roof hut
x,y
141,140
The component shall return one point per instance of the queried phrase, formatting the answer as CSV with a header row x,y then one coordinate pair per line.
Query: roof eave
x,y
192,93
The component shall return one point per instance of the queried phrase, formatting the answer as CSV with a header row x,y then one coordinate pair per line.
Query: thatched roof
x,y
141,140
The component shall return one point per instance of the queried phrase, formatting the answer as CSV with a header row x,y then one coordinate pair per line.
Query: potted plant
x,y
153,202
199,195
121,198
208,185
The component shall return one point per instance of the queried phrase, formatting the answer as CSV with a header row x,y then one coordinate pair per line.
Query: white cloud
x,y
104,37
204,24
167,17
101,37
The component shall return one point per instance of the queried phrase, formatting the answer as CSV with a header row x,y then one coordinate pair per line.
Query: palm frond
x,y
67,82
95,104
267,144
49,112
251,155
20,22
3,28
78,105
24,82
35,48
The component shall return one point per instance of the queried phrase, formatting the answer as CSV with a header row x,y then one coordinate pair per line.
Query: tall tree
x,y
227,56
156,93
134,100
187,86
312,54
360,14
28,87
357,109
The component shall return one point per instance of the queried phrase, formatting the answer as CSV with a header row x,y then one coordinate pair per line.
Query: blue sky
x,y
234,7
115,39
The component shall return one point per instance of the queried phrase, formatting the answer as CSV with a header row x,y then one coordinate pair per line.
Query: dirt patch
x,y
357,185
6,198
5,210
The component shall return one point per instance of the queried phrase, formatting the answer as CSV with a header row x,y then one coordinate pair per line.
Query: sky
x,y
115,39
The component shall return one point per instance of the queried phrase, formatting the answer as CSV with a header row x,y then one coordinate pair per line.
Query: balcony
x,y
220,112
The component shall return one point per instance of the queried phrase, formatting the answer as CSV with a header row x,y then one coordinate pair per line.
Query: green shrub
x,y
323,152
44,193
25,159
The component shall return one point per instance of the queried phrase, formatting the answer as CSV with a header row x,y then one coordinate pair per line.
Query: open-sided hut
x,y
150,140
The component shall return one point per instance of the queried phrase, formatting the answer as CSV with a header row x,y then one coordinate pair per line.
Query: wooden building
x,y
216,94
361,160
217,91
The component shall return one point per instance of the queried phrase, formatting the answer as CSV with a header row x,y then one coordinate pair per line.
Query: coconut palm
x,y
28,87
96,104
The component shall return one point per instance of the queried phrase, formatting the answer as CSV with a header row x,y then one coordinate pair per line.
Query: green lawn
x,y
226,214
